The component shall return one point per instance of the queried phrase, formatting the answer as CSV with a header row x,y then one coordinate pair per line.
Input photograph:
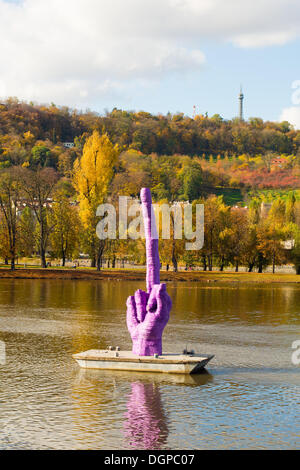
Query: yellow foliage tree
x,y
66,227
92,175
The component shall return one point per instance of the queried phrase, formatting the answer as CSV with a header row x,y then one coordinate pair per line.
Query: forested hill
x,y
57,165
177,156
164,135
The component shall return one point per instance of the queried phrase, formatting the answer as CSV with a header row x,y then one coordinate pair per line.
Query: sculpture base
x,y
126,360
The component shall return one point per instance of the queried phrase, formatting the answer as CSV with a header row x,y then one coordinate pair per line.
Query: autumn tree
x,y
92,175
4,240
10,191
240,235
295,252
251,256
27,231
64,218
215,215
224,235
38,189
271,236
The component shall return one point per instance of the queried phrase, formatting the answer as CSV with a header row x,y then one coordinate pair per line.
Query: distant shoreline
x,y
139,275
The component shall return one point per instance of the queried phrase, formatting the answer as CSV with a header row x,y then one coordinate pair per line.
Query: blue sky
x,y
155,55
266,75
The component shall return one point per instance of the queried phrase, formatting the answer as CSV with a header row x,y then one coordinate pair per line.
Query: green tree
x,y
192,180
40,155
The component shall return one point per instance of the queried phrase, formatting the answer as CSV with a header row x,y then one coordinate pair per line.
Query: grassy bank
x,y
139,275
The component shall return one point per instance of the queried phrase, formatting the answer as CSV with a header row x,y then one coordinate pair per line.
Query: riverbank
x,y
139,275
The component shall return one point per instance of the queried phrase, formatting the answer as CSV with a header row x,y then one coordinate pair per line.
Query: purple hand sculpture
x,y
148,312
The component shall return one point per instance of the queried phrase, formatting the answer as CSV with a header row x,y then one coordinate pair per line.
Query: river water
x,y
249,398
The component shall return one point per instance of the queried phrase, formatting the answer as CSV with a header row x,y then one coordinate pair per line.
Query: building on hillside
x,y
265,209
23,203
288,244
241,208
69,145
278,162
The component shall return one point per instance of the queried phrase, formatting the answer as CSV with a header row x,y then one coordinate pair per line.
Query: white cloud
x,y
292,115
75,51
264,39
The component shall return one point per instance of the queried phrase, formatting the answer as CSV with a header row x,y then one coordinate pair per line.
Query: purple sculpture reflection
x,y
145,424
148,312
